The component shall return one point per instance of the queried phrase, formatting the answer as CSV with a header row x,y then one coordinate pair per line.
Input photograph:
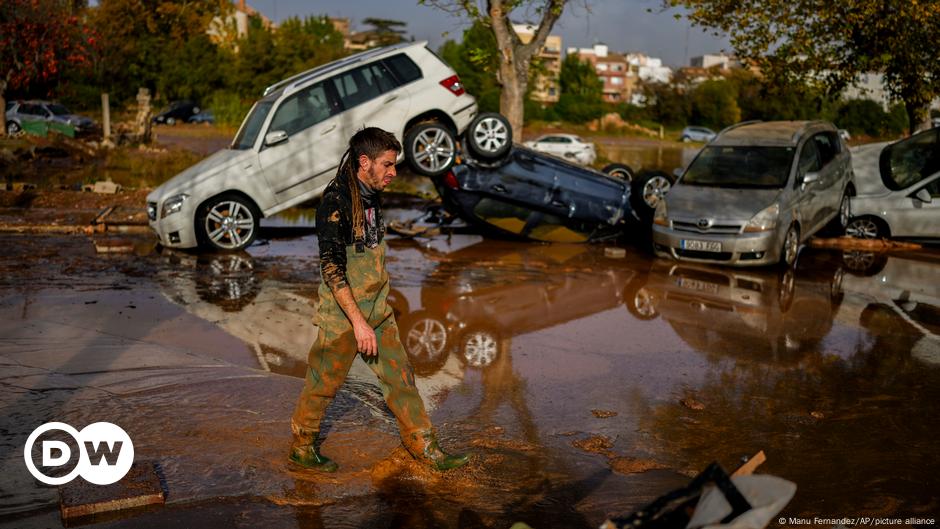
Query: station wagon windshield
x,y
759,167
252,126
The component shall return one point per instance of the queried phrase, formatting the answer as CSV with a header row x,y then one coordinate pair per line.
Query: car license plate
x,y
704,246
695,284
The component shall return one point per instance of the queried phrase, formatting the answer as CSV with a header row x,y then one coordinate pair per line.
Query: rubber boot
x,y
423,447
304,452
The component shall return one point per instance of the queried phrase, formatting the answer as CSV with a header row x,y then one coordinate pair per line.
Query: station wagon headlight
x,y
173,204
659,216
766,220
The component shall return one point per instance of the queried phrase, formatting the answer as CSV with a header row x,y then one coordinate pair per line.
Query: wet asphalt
x,y
585,385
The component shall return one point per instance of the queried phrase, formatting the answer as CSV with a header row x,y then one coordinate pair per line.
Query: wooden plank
x,y
141,486
748,468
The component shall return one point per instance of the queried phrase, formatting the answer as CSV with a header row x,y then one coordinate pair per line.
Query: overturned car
x,y
515,191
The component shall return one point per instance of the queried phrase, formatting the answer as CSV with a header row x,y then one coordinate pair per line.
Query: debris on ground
x,y
692,404
596,444
603,414
715,499
614,252
140,487
103,186
851,243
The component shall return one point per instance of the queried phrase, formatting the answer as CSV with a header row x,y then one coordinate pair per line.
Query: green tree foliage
x,y
476,62
140,40
581,91
303,44
831,43
714,104
668,103
388,31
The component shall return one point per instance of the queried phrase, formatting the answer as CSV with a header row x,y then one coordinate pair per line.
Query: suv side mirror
x,y
923,195
274,137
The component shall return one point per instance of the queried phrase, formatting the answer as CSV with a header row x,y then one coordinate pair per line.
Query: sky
x,y
623,25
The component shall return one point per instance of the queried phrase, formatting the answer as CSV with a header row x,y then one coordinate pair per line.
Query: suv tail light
x,y
452,83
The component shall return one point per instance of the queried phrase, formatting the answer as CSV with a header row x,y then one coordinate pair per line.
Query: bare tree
x,y
515,56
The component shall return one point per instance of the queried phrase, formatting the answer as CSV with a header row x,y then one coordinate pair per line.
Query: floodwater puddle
x,y
569,375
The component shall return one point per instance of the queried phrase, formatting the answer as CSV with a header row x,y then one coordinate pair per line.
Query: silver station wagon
x,y
755,194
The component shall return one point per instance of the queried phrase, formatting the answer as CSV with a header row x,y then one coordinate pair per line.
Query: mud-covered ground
x,y
585,386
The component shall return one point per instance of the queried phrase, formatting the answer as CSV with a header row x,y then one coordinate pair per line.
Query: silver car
x,y
898,189
755,193
26,111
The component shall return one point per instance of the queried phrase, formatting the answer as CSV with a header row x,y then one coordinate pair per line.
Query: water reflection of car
x,y
480,296
755,193
18,112
903,289
754,314
898,189
566,146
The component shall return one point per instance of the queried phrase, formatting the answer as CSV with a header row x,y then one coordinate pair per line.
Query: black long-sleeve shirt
x,y
335,230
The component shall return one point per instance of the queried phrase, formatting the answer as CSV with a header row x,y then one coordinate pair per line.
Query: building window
x,y
602,66
616,80
551,91
617,67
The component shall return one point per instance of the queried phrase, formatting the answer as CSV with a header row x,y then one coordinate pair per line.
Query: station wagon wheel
x,y
845,211
791,246
649,188
866,228
489,136
12,127
430,149
479,348
228,223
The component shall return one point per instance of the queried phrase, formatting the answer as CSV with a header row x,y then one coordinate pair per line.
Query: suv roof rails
x,y
736,125
337,64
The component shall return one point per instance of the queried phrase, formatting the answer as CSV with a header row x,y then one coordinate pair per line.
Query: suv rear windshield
x,y
761,167
907,162
252,126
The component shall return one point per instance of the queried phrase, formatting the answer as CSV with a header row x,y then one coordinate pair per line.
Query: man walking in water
x,y
354,315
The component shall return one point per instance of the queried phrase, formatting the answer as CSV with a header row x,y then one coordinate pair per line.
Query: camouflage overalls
x,y
332,355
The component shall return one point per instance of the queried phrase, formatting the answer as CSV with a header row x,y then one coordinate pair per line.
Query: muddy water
x,y
585,386
647,155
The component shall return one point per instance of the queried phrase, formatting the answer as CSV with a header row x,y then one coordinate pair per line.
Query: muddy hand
x,y
365,339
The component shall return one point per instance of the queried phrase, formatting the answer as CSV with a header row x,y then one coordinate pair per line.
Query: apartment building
x,y
546,87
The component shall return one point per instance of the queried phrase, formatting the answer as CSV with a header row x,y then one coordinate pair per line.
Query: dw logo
x,y
106,453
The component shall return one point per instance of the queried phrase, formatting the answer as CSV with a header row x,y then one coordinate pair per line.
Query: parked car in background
x,y
755,193
177,112
697,134
898,189
566,146
205,116
19,112
291,142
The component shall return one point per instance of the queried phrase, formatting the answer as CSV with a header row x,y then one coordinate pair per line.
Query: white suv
x,y
290,144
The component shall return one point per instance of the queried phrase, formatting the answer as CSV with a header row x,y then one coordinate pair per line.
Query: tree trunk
x,y
512,97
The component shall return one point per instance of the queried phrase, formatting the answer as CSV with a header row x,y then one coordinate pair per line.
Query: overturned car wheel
x,y
619,171
489,137
430,148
